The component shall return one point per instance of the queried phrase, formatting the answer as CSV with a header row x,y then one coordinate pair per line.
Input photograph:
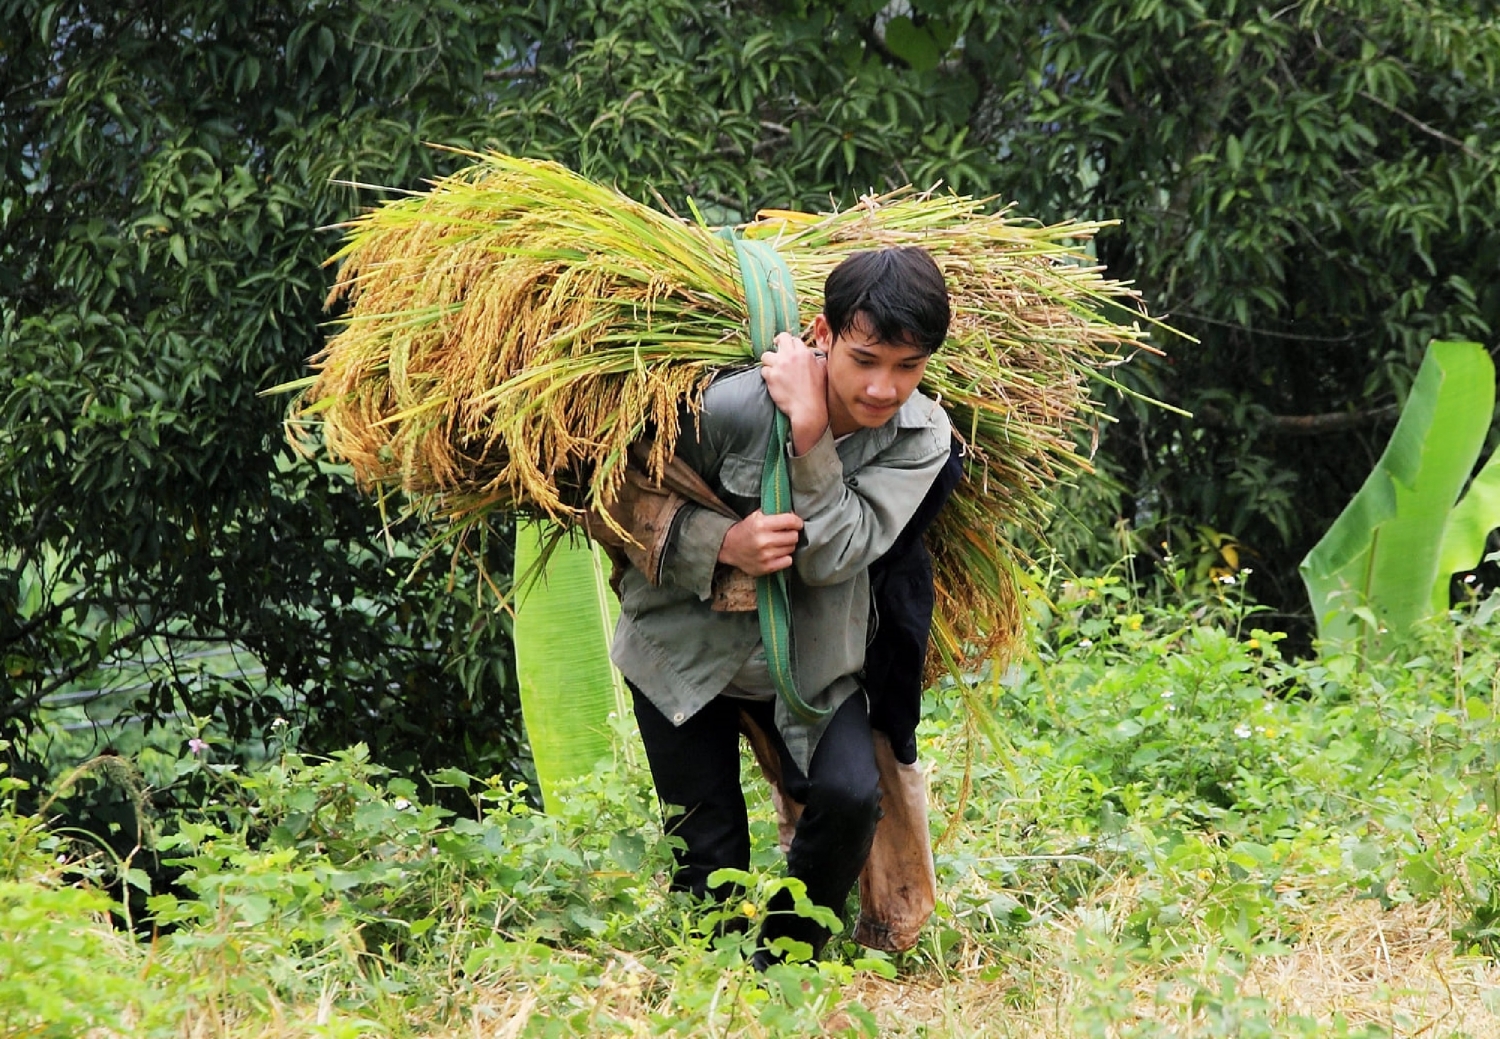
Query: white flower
x,y
1085,643
1166,694
401,804
1242,731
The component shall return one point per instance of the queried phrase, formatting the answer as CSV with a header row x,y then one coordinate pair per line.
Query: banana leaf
x,y
1379,563
1469,525
563,623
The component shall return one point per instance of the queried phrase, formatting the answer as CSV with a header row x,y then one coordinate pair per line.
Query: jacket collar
x,y
864,444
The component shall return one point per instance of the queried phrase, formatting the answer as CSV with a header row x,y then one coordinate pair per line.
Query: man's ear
x,y
822,333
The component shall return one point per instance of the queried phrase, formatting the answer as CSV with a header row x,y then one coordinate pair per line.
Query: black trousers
x,y
696,769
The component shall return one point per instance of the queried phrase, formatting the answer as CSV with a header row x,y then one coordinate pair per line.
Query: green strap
x,y
771,299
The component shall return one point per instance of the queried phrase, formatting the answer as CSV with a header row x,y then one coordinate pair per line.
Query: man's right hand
x,y
761,544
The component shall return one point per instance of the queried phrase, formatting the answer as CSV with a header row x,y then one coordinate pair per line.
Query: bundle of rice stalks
x,y
508,333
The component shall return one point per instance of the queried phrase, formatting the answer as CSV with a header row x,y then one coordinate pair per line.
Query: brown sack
x,y
898,886
647,510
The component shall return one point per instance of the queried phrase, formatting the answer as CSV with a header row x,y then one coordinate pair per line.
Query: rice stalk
x,y
504,336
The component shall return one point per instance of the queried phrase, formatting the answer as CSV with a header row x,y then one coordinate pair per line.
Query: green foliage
x,y
741,106
1469,525
1387,561
1123,862
1308,189
170,172
1198,753
49,985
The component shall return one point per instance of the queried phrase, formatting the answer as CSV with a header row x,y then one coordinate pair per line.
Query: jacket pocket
x,y
740,475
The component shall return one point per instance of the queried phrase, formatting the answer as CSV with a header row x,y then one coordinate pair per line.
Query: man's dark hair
x,y
900,293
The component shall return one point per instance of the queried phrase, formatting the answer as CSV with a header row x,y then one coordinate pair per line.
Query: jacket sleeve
x,y
850,522
692,552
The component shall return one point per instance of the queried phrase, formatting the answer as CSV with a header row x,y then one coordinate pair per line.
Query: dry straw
x,y
506,334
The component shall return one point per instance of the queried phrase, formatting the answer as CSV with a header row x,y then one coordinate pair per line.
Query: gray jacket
x,y
854,497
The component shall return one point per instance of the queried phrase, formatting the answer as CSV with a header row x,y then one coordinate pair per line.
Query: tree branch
x,y
512,72
1265,332
61,678
1431,130
1302,425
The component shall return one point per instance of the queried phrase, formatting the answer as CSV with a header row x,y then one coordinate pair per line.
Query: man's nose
x,y
882,386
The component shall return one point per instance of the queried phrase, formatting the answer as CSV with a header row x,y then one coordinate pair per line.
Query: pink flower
x,y
196,745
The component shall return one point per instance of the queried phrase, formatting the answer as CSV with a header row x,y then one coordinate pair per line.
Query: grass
x,y
1153,824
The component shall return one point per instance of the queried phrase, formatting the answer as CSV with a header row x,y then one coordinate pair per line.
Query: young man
x,y
865,448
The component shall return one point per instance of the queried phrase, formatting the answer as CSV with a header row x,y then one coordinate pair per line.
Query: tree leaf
x,y
1383,550
912,43
1469,524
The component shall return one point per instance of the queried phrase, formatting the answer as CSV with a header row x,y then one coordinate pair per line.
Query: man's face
x,y
868,380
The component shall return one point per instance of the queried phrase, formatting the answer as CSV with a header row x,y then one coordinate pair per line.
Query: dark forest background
x,y
1309,193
